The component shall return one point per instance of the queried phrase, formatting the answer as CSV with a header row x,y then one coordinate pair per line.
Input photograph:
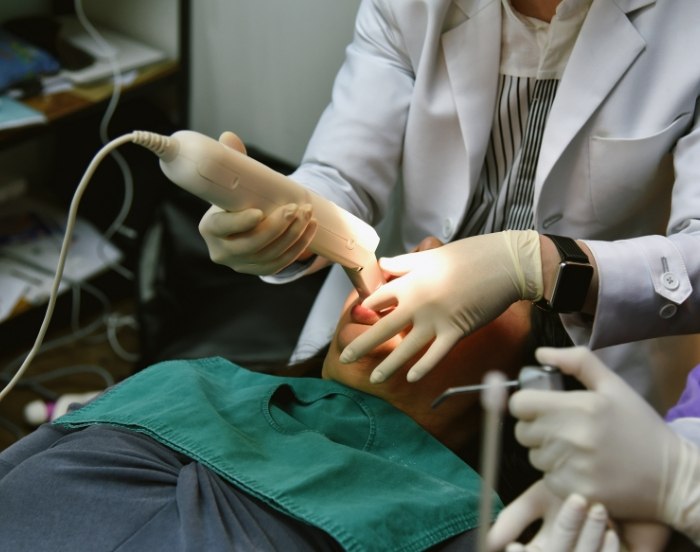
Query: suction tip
x,y
494,394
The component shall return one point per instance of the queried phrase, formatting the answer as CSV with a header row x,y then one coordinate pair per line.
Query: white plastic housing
x,y
233,181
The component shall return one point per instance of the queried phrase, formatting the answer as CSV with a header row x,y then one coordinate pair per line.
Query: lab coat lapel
x,y
472,52
607,45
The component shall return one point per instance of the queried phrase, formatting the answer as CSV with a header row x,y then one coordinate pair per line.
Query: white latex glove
x,y
571,526
609,445
251,244
446,293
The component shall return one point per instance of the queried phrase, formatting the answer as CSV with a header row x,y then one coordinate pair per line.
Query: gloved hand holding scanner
x,y
270,221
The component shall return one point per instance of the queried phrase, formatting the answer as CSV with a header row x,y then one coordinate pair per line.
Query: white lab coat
x,y
413,104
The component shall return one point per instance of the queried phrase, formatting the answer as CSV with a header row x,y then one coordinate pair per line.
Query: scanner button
x,y
217,173
350,244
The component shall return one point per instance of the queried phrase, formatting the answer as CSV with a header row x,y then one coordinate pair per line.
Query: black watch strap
x,y
572,280
568,249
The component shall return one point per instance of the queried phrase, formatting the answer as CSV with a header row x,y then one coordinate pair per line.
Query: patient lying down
x,y
205,455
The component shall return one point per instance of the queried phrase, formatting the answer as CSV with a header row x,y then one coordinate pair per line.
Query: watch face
x,y
571,287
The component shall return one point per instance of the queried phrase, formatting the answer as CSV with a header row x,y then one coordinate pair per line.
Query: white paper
x,y
13,287
30,243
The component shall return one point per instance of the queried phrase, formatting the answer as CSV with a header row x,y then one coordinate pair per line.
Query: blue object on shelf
x,y
21,60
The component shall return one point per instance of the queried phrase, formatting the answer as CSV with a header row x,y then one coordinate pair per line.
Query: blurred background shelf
x,y
44,162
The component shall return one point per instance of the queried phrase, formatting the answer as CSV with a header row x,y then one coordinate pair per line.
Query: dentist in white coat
x,y
506,120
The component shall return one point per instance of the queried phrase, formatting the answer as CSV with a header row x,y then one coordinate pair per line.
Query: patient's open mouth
x,y
362,315
361,319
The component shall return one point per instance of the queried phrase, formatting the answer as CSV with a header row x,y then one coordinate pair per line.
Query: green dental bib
x,y
344,461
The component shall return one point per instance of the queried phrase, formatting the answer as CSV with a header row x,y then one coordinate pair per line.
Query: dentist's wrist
x,y
551,260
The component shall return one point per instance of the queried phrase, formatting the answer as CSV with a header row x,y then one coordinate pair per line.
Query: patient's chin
x,y
354,374
348,333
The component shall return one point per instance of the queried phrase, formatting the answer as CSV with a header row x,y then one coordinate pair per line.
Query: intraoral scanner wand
x,y
233,181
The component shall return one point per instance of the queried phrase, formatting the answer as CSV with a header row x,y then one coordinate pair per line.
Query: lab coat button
x,y
669,281
668,311
447,228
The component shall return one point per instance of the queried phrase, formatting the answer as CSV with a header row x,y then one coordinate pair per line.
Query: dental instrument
x,y
547,378
493,401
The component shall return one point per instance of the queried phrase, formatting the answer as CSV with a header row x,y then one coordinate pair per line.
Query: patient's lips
x,y
363,315
359,320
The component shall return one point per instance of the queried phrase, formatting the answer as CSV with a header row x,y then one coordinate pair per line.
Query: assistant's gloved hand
x,y
569,526
609,445
446,293
249,243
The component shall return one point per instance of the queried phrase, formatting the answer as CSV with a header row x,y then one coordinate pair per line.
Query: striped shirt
x,y
533,57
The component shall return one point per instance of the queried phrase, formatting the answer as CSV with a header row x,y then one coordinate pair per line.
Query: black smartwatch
x,y
572,280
